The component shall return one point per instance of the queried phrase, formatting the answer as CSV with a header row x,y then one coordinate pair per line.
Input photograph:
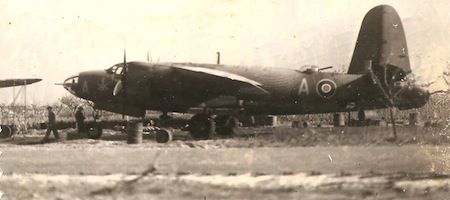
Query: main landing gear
x,y
203,126
226,125
161,135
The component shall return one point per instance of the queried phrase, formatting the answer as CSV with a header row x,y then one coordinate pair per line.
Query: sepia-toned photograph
x,y
225,99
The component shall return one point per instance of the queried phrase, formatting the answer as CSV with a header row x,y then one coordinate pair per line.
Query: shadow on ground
x,y
266,137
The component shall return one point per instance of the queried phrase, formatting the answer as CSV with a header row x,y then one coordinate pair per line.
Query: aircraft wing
x,y
18,82
243,82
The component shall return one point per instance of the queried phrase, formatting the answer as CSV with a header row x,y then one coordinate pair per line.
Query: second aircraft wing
x,y
17,82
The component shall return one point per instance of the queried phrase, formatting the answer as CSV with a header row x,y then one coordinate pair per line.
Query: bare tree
x,y
72,102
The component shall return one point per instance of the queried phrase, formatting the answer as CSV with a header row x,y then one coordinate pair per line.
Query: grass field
x,y
258,163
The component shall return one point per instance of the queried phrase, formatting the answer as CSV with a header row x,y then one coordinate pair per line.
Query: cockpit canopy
x,y
70,83
116,69
309,68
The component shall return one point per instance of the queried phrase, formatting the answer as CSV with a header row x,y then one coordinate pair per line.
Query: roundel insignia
x,y
326,88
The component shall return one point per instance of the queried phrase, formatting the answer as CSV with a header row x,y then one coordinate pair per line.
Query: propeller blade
x,y
124,56
117,88
123,82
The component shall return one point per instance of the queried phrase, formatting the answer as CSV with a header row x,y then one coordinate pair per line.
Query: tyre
x,y
5,131
201,126
163,136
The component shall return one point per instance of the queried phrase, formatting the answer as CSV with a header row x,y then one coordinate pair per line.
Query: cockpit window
x,y
73,79
116,69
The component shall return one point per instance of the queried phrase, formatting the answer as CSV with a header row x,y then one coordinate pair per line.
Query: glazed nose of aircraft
x,y
93,84
71,84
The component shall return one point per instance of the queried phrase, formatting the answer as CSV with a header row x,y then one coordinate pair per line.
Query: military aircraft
x,y
376,78
6,130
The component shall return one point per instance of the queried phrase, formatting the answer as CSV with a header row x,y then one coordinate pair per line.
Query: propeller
x,y
149,58
123,76
117,88
121,85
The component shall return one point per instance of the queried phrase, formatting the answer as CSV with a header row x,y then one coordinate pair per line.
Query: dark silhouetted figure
x,y
79,117
51,126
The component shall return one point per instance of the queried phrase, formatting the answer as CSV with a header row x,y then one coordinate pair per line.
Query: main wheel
x,y
226,125
95,131
5,131
201,126
163,136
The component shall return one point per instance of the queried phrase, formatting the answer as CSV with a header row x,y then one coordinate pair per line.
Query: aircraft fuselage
x,y
158,86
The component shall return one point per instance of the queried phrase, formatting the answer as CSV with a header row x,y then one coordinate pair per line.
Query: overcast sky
x,y
54,39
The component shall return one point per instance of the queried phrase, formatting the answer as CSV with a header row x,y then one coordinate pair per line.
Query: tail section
x,y
381,42
382,54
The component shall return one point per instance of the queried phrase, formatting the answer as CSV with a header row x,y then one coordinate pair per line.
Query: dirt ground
x,y
258,163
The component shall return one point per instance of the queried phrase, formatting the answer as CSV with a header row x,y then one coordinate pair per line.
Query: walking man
x,y
51,126
79,117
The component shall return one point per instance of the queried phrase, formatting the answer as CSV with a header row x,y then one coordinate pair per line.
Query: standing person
x,y
51,126
79,117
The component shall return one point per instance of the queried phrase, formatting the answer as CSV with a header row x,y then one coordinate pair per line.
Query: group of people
x,y
51,125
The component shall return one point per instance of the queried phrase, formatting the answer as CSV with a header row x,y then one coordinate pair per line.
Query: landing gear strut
x,y
226,125
202,126
164,118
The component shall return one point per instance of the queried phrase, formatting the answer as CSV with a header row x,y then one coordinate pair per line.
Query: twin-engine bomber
x,y
376,78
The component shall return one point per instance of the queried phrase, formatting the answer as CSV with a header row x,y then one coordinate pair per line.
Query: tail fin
x,y
381,41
